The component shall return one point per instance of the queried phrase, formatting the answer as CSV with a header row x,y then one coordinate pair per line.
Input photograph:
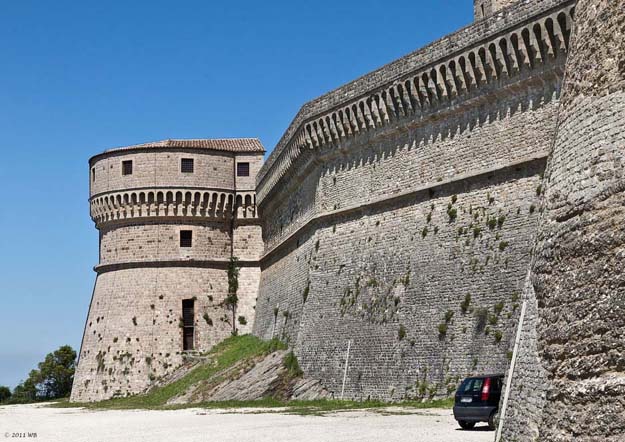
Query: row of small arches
x,y
523,49
156,203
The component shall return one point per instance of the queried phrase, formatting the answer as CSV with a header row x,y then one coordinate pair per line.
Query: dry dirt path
x,y
80,425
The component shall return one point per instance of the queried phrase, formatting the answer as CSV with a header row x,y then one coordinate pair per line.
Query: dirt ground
x,y
41,423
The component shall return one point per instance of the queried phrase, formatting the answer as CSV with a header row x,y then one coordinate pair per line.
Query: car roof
x,y
486,376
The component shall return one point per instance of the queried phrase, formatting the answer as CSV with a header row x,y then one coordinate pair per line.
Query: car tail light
x,y
486,389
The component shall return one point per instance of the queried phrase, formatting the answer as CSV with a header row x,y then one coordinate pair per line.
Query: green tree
x,y
26,391
56,373
52,380
5,393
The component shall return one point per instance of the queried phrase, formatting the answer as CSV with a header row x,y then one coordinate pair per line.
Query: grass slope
x,y
225,355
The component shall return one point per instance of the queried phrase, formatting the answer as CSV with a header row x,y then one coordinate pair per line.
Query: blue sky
x,y
77,77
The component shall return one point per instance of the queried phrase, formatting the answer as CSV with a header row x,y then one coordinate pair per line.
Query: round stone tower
x,y
170,214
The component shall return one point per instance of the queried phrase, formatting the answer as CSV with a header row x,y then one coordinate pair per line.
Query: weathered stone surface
x,y
578,269
378,235
250,380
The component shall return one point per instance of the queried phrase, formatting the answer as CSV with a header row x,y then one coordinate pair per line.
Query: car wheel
x,y
466,425
493,420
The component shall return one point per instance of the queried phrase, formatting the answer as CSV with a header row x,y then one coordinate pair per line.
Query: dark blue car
x,y
477,400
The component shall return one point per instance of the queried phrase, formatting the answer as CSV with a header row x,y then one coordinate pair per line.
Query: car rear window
x,y
471,386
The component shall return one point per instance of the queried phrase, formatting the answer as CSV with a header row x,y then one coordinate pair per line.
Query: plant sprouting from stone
x,y
452,213
464,306
401,333
232,300
498,307
498,335
292,365
442,329
476,232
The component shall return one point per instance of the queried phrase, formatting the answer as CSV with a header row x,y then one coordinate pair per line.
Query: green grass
x,y
223,355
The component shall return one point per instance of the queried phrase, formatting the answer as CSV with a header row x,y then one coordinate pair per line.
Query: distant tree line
x,y
51,380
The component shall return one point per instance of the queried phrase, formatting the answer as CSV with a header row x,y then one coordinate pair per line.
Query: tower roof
x,y
238,145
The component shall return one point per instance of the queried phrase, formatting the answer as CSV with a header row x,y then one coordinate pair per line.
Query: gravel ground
x,y
80,425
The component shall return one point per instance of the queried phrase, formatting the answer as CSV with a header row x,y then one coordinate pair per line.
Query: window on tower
x,y
243,169
127,167
188,329
186,238
186,165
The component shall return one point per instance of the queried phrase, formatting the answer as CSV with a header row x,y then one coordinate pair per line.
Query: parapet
x,y
518,43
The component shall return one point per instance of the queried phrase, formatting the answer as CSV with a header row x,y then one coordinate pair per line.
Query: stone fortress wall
x,y
133,333
399,210
569,381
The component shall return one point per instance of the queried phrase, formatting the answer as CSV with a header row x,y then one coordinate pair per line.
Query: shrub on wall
x,y
464,306
401,334
232,300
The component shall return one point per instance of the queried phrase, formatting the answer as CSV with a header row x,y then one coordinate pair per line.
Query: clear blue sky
x,y
77,77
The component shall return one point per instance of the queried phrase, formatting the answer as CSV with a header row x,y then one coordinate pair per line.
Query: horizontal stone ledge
x,y
167,188
221,264
178,219
398,198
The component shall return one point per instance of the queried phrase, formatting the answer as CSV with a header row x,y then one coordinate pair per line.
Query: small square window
x,y
243,169
186,238
186,165
127,167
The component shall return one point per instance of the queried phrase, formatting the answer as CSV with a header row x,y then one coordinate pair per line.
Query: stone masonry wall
x,y
510,130
364,248
395,284
157,167
133,333
404,222
527,395
154,241
577,273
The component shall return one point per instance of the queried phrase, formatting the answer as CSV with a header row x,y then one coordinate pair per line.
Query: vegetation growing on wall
x,y
232,300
